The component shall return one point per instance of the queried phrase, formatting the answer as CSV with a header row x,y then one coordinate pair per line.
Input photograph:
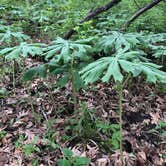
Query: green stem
x,y
51,94
14,81
126,80
120,98
163,60
74,93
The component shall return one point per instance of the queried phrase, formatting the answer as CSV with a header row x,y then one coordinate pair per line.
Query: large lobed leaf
x,y
7,35
118,42
156,43
65,50
40,71
108,67
23,50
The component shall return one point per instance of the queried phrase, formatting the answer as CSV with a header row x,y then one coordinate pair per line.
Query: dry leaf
x,y
155,118
102,162
3,158
141,157
92,151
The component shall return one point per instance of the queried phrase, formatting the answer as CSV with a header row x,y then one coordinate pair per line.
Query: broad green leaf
x,y
78,82
67,152
63,162
42,71
94,71
63,81
7,35
6,50
29,74
114,65
152,73
119,42
66,50
155,43
35,71
51,51
81,161
129,67
113,70
13,55
55,68
22,50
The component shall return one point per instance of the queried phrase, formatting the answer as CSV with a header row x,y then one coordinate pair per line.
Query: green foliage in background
x,y
55,17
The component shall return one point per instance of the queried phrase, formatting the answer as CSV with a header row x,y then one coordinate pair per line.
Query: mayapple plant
x,y
156,45
9,36
64,58
117,65
22,50
15,53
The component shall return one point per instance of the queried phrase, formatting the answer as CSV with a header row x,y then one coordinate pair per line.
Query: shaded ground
x,y
37,111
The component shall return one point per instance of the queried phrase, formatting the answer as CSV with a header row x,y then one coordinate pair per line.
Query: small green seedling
x,y
29,148
2,134
70,160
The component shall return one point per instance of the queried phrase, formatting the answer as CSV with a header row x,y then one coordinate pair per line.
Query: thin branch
x,y
92,14
141,11
100,10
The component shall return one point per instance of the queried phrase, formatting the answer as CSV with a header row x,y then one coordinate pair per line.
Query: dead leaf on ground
x,y
155,118
102,162
3,158
141,157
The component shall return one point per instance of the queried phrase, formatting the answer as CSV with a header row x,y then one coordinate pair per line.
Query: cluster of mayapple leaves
x,y
22,50
155,43
122,54
64,57
8,35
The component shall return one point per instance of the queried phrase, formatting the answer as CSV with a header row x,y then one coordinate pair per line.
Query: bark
x,y
92,14
141,11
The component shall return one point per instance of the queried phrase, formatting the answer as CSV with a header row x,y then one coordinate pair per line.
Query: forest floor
x,y
37,118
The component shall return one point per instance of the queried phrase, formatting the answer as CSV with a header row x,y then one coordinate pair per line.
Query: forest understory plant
x,y
65,58
123,60
8,38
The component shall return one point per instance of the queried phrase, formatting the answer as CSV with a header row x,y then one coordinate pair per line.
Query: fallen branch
x,y
92,14
139,12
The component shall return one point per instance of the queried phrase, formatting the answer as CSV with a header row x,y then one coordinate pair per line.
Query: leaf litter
x,y
32,115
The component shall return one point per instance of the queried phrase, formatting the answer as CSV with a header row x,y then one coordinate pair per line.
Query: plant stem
x,y
31,103
51,97
14,81
74,93
126,80
120,97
